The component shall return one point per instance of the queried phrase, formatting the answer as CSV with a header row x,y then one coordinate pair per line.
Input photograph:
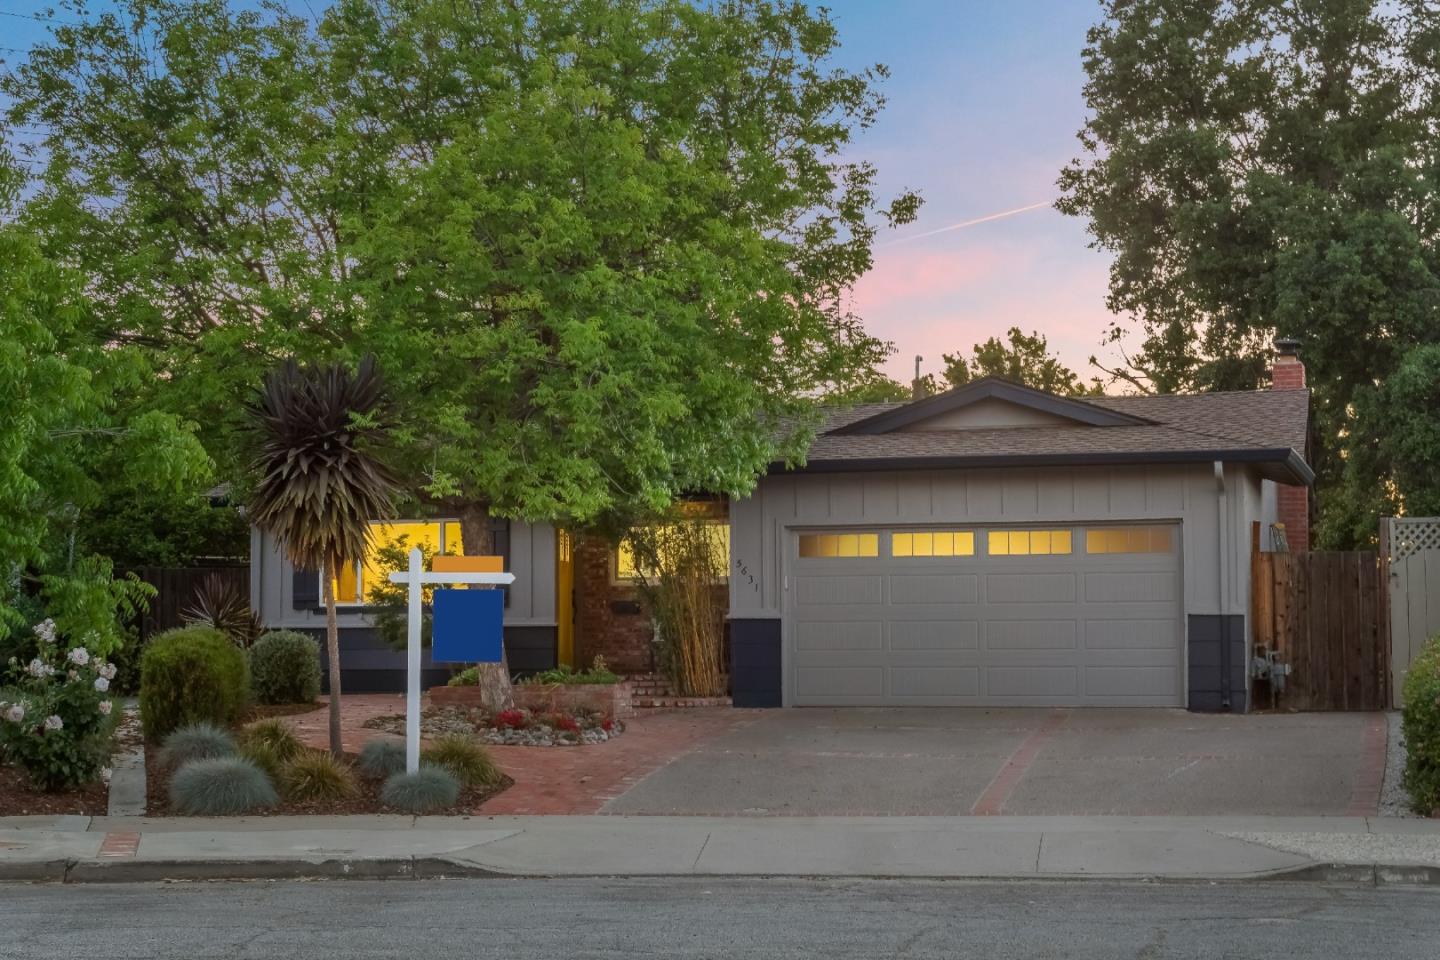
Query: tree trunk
x,y
332,650
496,693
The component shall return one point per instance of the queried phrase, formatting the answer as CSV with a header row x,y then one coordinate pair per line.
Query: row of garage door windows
x,y
998,543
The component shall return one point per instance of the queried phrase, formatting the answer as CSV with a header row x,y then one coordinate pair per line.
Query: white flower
x,y
102,684
39,668
106,707
45,630
15,712
107,670
53,722
79,656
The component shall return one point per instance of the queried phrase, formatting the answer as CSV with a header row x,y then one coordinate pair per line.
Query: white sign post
x,y
416,579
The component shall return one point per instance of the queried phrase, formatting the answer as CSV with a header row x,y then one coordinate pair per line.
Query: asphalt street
x,y
774,920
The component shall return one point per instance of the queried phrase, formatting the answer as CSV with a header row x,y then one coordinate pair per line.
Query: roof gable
x,y
988,404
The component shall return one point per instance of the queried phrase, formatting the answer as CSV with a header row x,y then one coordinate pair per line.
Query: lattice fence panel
x,y
1411,536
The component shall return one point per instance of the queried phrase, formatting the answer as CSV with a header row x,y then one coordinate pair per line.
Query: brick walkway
x,y
553,780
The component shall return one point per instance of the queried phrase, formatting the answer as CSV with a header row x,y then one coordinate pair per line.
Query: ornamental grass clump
x,y
1420,717
382,758
316,777
470,762
264,756
277,735
56,715
197,741
223,787
429,790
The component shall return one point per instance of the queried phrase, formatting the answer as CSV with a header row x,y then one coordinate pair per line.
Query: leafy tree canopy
x,y
66,436
600,249
1270,167
1022,358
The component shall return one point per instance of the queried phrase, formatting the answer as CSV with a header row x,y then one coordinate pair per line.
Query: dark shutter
x,y
500,542
305,589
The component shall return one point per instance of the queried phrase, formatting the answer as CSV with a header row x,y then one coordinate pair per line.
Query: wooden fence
x,y
176,592
1325,614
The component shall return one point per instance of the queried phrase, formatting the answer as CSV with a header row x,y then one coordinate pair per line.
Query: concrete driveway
x,y
930,761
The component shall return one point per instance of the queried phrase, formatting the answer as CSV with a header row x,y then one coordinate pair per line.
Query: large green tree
x,y
601,247
1021,357
70,435
1263,167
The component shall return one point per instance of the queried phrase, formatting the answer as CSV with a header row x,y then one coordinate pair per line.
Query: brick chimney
x,y
1292,503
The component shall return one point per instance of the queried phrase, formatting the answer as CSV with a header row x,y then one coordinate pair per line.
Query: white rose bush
x,y
56,716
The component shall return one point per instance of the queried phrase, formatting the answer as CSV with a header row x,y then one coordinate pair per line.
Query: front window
x,y
717,539
432,536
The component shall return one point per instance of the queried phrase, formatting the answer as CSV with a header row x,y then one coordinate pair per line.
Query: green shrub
x,y
277,735
427,790
599,673
197,741
468,677
382,758
224,787
1421,721
285,668
191,675
317,776
467,760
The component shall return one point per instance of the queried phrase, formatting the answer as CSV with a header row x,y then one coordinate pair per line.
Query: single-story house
x,y
994,545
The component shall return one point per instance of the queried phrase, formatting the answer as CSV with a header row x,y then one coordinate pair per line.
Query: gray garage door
x,y
1087,615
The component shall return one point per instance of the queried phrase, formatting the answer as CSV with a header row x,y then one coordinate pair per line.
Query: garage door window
x,y
1128,540
934,543
839,546
1027,543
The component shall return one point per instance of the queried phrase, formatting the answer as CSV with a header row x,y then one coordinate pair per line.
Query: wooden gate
x,y
1324,612
175,592
1411,546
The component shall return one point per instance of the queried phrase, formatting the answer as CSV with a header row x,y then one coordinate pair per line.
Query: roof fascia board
x,y
1282,464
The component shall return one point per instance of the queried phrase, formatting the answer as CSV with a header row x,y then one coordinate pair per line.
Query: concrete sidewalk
x,y
79,849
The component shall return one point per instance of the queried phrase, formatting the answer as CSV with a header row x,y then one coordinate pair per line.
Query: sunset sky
x,y
984,102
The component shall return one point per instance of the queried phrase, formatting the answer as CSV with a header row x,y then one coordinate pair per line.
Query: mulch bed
x,y
157,786
18,798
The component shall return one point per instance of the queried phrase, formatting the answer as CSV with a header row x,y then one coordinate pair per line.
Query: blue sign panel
x,y
468,626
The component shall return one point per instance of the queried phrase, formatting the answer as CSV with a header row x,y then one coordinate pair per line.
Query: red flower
x,y
562,722
511,720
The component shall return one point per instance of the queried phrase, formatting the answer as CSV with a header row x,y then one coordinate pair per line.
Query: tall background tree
x,y
1270,167
320,483
1021,357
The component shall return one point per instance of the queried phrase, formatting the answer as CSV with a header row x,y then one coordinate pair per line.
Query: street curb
x,y
439,868
1374,874
33,871
157,871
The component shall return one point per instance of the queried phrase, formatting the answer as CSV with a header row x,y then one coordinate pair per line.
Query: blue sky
x,y
984,102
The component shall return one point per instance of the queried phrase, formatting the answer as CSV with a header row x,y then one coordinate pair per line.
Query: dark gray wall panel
x,y
755,663
1217,663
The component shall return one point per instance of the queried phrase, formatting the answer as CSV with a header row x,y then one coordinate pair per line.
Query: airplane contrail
x,y
967,223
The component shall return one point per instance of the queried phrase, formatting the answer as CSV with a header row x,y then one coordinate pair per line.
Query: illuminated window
x,y
937,543
839,545
435,536
1027,543
717,534
1157,539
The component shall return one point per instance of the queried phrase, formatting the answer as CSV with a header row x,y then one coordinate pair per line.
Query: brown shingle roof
x,y
1264,426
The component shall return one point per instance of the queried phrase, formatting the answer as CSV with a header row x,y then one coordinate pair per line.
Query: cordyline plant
x,y
320,483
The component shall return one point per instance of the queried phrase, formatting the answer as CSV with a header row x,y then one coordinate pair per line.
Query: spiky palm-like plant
x,y
320,483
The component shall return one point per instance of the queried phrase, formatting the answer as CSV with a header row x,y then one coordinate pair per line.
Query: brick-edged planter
x,y
607,699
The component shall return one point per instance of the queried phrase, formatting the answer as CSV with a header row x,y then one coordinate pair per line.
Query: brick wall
x,y
1292,504
608,620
